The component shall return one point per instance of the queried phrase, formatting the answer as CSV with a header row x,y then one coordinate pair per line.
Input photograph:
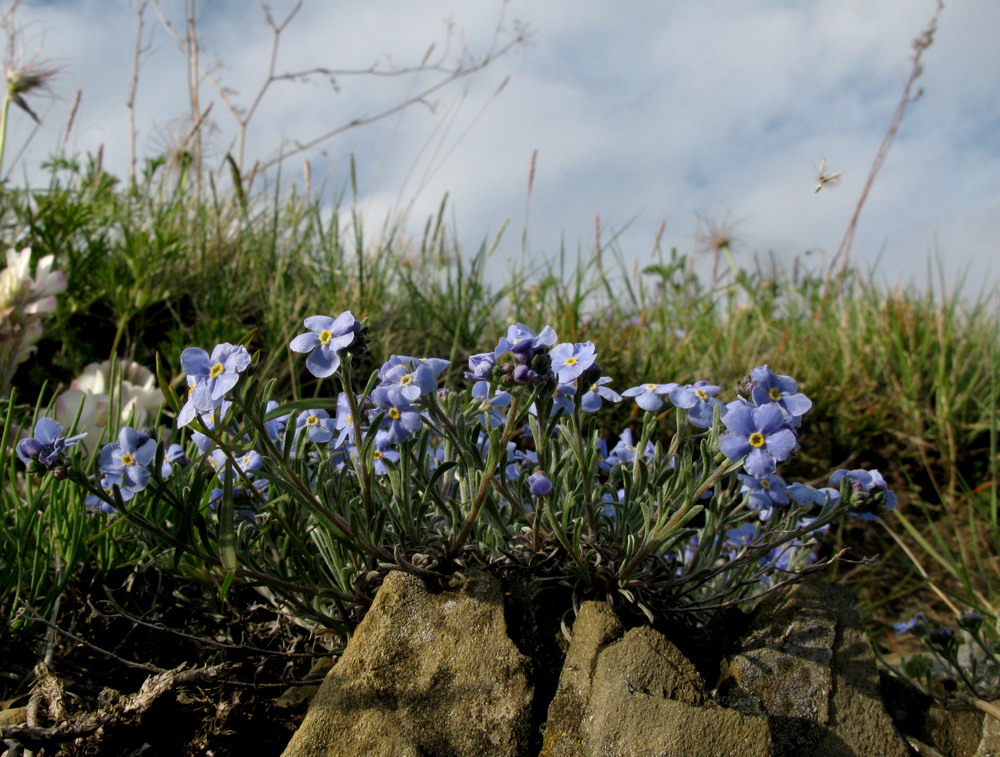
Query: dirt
x,y
144,663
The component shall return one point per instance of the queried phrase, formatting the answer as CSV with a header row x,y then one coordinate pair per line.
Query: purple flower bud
x,y
970,620
943,636
523,374
539,484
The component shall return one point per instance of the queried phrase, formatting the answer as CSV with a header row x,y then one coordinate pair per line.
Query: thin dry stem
x,y
140,50
843,255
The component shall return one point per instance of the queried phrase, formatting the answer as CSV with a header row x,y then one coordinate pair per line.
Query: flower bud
x,y
539,484
523,374
942,636
970,620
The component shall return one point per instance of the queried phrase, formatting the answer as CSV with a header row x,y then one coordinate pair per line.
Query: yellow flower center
x,y
376,455
128,459
324,337
756,439
701,394
774,394
217,370
245,461
394,413
765,484
650,387
312,420
406,380
571,361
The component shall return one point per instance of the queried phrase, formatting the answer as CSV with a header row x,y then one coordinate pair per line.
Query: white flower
x,y
32,296
92,393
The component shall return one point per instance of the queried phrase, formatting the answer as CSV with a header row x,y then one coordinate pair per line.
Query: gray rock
x,y
989,744
424,674
634,693
808,666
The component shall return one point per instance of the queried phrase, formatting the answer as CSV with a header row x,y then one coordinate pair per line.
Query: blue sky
x,y
641,113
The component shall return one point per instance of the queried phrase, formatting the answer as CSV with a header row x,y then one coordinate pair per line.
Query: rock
x,y
956,732
424,674
989,744
634,693
807,665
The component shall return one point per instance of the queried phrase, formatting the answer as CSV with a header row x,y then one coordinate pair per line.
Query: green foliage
x,y
905,381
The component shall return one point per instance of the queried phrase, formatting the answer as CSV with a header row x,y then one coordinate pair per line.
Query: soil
x,y
145,663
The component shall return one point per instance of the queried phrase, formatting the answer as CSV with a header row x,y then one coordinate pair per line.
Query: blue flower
x,y
318,425
210,378
590,402
481,366
401,419
611,502
248,462
759,435
125,463
870,495
344,422
802,495
96,504
324,340
522,340
767,386
201,441
737,538
491,416
48,446
647,396
562,402
539,484
406,383
764,493
905,626
624,451
702,402
435,365
383,453
518,459
276,426
569,361
173,455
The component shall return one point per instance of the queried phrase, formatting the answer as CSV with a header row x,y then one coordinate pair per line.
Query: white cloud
x,y
650,109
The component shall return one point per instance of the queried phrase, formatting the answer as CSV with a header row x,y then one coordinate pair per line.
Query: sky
x,y
639,113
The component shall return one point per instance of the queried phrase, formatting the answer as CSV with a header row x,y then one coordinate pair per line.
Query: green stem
x,y
362,461
339,522
492,461
651,541
4,109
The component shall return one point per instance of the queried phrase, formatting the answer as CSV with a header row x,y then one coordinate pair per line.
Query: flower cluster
x,y
403,473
